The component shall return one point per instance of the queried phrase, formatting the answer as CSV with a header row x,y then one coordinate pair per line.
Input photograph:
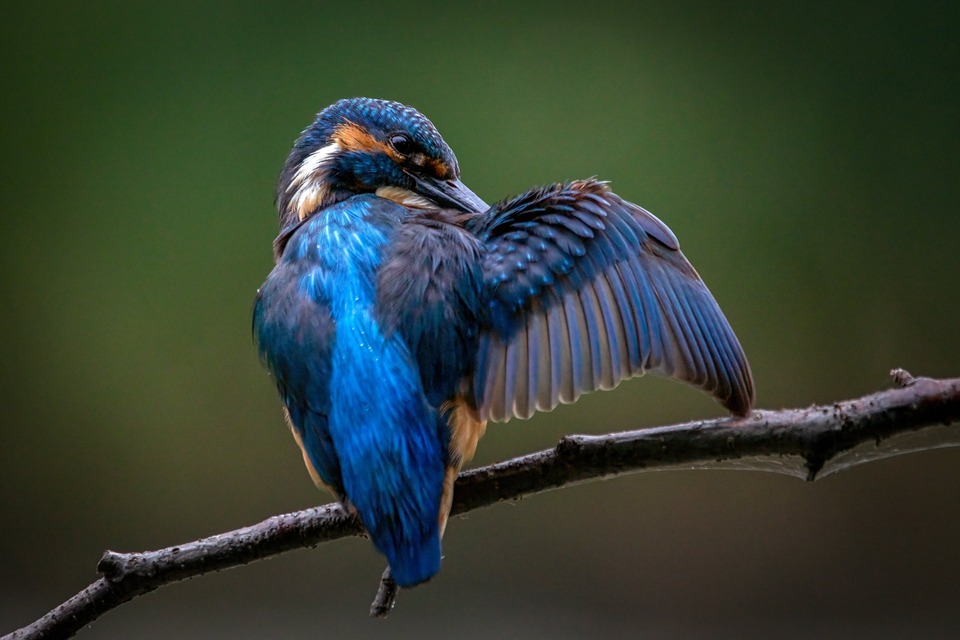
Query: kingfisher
x,y
403,313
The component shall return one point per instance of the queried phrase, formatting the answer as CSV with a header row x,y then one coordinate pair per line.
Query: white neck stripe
x,y
313,163
309,183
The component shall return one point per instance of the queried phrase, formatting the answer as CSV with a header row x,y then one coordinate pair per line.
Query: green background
x,y
805,154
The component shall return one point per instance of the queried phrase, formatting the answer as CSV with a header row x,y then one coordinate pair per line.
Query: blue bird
x,y
403,313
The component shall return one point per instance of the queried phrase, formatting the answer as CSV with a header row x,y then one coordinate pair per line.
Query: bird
x,y
403,313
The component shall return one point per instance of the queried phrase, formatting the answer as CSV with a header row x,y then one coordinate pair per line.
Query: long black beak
x,y
451,194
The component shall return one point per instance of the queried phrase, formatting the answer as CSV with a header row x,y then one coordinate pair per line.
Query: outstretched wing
x,y
587,290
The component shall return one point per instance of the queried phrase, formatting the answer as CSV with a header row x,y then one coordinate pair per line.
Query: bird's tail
x,y
400,515
392,452
411,562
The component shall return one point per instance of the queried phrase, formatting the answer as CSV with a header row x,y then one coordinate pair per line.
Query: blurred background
x,y
807,155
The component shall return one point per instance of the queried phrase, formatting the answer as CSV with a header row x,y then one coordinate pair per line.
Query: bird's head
x,y
361,145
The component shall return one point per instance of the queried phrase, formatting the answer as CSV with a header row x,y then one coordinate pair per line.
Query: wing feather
x,y
616,332
560,353
581,359
586,290
495,382
516,381
602,377
631,354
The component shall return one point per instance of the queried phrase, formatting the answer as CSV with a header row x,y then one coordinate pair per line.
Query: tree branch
x,y
807,442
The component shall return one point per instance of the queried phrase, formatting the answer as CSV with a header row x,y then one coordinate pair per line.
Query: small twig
x,y
816,435
902,378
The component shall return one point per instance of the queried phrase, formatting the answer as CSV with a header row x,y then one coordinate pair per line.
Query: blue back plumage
x,y
354,393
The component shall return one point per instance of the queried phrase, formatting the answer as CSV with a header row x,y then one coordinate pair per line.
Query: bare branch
x,y
807,442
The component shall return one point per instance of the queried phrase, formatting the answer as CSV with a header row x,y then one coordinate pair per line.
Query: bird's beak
x,y
451,194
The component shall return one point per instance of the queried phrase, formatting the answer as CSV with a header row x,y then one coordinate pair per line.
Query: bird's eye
x,y
402,144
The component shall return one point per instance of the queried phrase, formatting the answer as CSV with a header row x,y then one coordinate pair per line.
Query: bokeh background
x,y
806,154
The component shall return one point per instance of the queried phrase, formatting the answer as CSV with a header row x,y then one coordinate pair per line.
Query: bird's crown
x,y
381,120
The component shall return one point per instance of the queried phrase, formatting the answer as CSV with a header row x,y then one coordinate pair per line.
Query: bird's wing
x,y
294,331
586,290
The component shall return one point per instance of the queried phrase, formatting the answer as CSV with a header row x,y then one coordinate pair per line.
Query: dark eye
x,y
402,144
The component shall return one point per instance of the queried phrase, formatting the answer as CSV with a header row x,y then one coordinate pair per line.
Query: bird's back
x,y
357,400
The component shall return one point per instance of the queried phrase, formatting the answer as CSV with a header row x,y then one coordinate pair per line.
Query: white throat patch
x,y
406,197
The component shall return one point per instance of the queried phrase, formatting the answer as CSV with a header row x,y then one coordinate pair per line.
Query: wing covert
x,y
585,291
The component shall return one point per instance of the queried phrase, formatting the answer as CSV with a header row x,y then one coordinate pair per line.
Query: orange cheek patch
x,y
353,137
